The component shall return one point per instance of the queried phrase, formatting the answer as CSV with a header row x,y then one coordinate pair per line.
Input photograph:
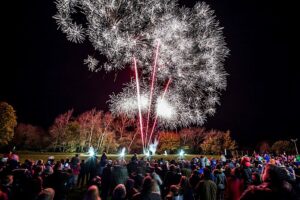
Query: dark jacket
x,y
247,176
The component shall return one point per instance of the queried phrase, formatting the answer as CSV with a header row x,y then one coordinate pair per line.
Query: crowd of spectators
x,y
254,177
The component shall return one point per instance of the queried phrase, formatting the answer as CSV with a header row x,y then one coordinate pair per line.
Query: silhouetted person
x,y
82,174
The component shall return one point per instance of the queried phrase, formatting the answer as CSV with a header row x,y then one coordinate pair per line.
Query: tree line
x,y
105,132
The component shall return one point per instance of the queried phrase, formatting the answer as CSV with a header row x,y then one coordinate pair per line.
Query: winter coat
x,y
247,176
207,190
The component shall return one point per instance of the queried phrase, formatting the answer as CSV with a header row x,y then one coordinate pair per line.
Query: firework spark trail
x,y
139,100
151,90
155,120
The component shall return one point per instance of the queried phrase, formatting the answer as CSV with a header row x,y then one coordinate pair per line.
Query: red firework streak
x,y
155,120
151,90
139,100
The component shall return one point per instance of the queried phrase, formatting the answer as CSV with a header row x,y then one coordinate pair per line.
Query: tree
x,y
105,127
110,144
168,141
192,137
72,135
282,146
58,130
131,138
8,121
29,137
120,123
90,127
217,141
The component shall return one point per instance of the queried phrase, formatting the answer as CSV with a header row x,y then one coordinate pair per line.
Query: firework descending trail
x,y
151,90
190,51
139,100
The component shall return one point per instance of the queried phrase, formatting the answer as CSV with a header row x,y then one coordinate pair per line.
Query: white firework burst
x,y
91,62
191,53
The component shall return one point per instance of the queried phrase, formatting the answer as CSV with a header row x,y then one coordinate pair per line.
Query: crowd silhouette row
x,y
248,177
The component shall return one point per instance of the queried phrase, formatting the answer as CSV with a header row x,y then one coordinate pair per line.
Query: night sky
x,y
42,74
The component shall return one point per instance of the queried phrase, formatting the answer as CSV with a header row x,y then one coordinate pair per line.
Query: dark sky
x,y
42,74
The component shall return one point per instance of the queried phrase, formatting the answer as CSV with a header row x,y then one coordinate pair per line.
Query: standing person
x,y
206,188
134,158
119,175
202,162
171,177
75,161
157,180
235,185
102,163
130,190
185,189
147,192
82,174
74,165
103,157
106,180
58,181
91,167
221,182
246,171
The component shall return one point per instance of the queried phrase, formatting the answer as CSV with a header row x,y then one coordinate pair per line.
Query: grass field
x,y
57,156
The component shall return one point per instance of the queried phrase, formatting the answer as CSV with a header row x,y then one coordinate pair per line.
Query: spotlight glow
x,y
147,153
91,152
181,153
122,154
153,147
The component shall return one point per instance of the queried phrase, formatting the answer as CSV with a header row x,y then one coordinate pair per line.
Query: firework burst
x,y
169,42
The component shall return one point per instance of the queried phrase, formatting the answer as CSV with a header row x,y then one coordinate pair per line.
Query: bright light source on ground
x,y
122,154
181,153
153,147
147,153
91,151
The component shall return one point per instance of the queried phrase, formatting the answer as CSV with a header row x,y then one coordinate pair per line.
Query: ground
x,y
57,156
